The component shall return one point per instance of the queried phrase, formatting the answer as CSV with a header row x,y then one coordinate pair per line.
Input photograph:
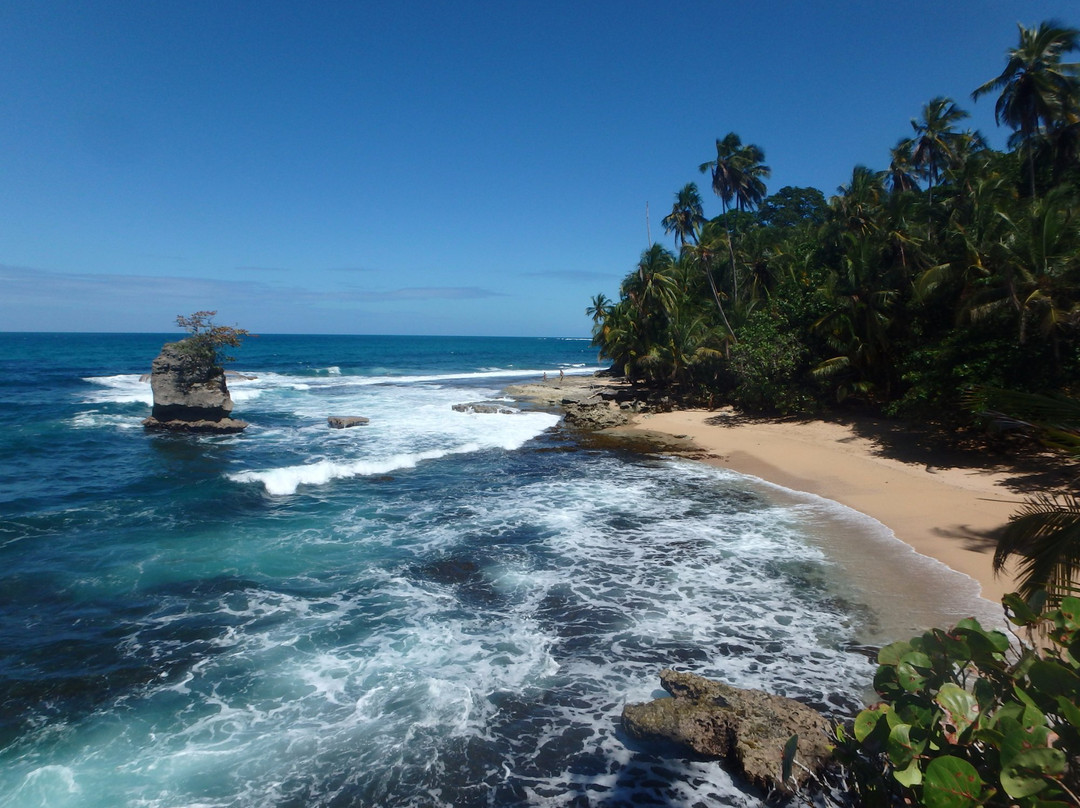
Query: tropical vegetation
x,y
968,717
957,264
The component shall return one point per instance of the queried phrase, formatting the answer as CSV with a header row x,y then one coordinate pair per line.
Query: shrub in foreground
x,y
969,718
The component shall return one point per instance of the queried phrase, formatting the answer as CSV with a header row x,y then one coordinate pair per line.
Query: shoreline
x,y
946,504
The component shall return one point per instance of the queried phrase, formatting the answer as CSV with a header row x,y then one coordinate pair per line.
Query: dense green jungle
x,y
957,265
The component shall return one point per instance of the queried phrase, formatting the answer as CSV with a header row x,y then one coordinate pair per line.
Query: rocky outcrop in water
x,y
190,394
591,415
484,407
346,421
746,727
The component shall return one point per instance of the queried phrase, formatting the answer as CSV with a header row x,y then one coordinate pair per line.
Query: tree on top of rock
x,y
206,339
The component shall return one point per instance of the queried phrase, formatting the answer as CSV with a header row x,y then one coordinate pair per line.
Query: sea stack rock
x,y
190,393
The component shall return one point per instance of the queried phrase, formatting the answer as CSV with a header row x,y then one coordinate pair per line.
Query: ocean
x,y
439,608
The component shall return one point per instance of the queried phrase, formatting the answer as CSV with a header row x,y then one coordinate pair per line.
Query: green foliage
x,y
206,339
768,364
793,207
956,265
968,718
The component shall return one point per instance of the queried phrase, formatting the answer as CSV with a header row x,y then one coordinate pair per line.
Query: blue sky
x,y
425,167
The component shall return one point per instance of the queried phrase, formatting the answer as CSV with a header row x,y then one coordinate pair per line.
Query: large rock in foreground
x,y
190,393
746,727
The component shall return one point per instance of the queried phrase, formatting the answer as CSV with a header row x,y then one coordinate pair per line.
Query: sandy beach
x,y
949,506
944,503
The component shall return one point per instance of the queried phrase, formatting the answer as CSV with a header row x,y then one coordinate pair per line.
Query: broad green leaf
x,y
961,710
890,654
1054,679
912,671
918,714
1027,773
901,748
1025,699
1020,740
985,694
977,636
1069,711
1022,613
1070,613
886,682
911,776
865,723
893,719
790,748
950,782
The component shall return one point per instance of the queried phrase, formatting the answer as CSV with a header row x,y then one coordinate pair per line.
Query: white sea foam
x,y
409,424
95,419
286,480
120,389
476,649
867,548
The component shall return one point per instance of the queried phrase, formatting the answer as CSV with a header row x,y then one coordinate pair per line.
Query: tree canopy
x,y
208,339
957,264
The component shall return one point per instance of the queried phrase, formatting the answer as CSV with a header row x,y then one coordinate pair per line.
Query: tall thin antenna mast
x,y
648,232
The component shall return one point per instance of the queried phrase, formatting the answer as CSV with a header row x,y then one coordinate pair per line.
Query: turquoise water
x,y
436,609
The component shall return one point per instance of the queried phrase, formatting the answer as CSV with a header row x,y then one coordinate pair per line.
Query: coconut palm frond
x,y
830,367
931,279
1057,414
1045,534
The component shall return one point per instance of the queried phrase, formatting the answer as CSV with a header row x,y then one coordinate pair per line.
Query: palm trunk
x,y
719,305
734,271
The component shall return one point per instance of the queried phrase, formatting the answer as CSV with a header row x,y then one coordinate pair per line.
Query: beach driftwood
x,y
746,727
190,394
346,421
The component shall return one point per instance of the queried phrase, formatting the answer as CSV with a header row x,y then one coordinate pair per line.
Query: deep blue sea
x,y
440,608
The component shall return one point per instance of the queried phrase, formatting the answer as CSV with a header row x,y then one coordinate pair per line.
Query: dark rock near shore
x,y
190,394
485,407
594,415
224,426
746,727
346,421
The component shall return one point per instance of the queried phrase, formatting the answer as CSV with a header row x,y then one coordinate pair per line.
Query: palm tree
x,y
1031,266
750,177
704,255
934,146
723,168
858,327
901,174
1035,86
652,288
1045,533
686,215
857,207
737,175
599,308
